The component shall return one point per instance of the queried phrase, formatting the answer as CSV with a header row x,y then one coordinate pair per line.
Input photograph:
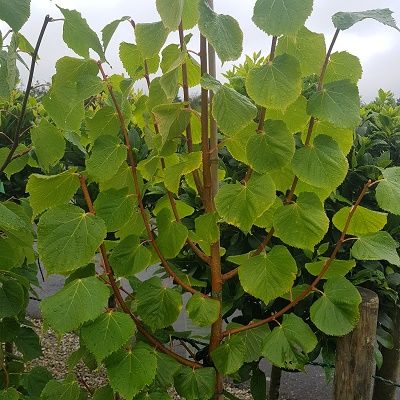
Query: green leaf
x,y
240,205
80,301
115,207
104,122
170,12
78,36
258,385
171,235
172,119
268,276
228,357
133,372
51,191
14,225
108,154
153,396
207,227
321,164
49,144
222,31
276,141
27,342
232,111
190,14
184,210
196,384
336,311
158,306
388,191
15,13
338,103
345,20
203,311
237,144
150,38
187,163
377,246
336,269
35,380
295,116
130,257
281,17
104,393
68,238
343,65
363,221
107,334
12,297
302,224
11,254
308,47
62,390
167,368
109,30
276,84
289,343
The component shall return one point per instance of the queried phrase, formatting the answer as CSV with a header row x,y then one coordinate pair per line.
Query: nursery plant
x,y
153,186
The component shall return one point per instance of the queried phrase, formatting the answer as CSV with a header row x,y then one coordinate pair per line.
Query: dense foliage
x,y
246,204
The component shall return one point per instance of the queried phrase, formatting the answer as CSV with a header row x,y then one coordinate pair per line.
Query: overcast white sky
x,y
378,46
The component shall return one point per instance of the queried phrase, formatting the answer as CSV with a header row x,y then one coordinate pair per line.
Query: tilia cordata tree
x,y
156,193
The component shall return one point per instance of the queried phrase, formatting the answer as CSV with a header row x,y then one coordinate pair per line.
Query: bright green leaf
x,y
388,191
202,311
68,238
150,38
336,269
170,12
228,357
104,122
109,30
196,384
15,13
336,311
343,65
80,301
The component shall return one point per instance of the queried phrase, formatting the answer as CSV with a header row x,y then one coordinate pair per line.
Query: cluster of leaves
x,y
142,191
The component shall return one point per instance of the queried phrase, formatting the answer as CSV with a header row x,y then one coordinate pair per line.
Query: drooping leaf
x,y
363,221
80,301
68,238
202,311
222,31
207,228
302,224
228,357
108,154
170,12
49,144
388,191
171,235
130,257
377,246
115,207
187,163
15,13
275,85
321,164
190,14
268,276
281,17
63,390
343,65
28,344
308,47
241,205
104,122
231,110
78,36
12,297
195,384
157,305
109,30
295,116
150,38
338,103
35,380
336,311
271,149
336,269
134,371
345,20
288,345
107,333
51,191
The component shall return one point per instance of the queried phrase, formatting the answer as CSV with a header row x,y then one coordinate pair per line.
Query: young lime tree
x,y
151,186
